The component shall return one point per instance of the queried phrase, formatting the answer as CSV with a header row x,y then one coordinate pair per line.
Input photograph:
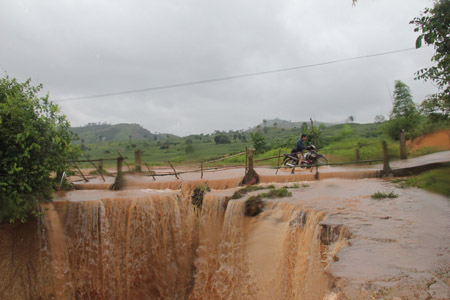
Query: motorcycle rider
x,y
299,147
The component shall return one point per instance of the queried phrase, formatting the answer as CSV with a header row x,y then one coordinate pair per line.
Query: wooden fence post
x,y
250,160
100,164
176,175
386,168
119,182
357,154
251,177
150,171
137,160
246,160
278,162
119,165
317,171
403,154
201,167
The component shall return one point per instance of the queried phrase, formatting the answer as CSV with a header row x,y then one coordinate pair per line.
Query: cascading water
x,y
131,248
163,247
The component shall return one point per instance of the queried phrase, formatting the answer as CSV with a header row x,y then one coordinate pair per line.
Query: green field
x,y
337,142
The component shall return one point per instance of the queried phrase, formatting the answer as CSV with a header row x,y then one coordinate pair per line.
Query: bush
x,y
259,143
221,139
35,142
189,149
382,195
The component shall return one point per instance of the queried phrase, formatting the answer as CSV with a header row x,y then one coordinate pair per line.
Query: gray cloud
x,y
79,48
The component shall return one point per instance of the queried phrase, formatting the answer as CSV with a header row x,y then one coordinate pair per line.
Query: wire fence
x,y
137,165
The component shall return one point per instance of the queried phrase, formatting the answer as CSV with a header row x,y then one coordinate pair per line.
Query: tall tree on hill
x,y
404,115
434,27
404,106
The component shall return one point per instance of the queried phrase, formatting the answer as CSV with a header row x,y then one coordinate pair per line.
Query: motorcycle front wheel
x,y
322,160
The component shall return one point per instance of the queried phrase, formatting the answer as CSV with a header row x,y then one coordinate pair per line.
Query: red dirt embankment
x,y
439,140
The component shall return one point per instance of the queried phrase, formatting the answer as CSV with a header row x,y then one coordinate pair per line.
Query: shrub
x,y
198,195
221,139
382,195
259,143
35,141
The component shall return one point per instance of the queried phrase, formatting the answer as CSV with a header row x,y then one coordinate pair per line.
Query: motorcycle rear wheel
x,y
290,162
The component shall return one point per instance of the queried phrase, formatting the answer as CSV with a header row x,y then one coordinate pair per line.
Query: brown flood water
x,y
330,240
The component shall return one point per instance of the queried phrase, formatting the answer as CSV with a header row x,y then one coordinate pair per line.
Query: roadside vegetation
x,y
436,181
35,145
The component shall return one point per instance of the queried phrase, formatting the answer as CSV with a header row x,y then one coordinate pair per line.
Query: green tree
x,y
404,106
434,27
304,127
259,142
35,143
404,115
379,119
317,132
221,139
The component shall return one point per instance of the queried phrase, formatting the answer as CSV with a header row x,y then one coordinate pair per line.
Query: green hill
x,y
97,133
285,124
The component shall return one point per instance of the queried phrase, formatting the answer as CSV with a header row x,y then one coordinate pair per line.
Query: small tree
x,y
259,143
316,131
404,115
35,143
404,107
304,127
379,119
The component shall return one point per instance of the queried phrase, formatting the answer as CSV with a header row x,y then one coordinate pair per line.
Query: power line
x,y
176,85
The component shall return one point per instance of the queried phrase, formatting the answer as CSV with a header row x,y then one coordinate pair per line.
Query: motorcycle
x,y
310,159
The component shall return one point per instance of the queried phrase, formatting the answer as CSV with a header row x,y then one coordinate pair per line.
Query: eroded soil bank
x,y
329,240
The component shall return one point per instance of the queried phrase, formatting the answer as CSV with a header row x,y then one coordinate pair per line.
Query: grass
x,y
251,188
423,151
276,193
254,204
273,193
345,150
436,181
382,195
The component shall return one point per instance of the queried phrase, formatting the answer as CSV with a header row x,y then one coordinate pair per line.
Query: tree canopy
x,y
404,106
35,144
404,115
434,27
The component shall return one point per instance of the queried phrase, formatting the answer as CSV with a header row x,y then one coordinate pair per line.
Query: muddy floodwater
x,y
329,240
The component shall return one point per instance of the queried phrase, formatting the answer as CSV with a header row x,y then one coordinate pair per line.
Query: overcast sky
x,y
79,48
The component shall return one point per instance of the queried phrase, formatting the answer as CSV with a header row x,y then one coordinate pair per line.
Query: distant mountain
x,y
287,124
94,133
